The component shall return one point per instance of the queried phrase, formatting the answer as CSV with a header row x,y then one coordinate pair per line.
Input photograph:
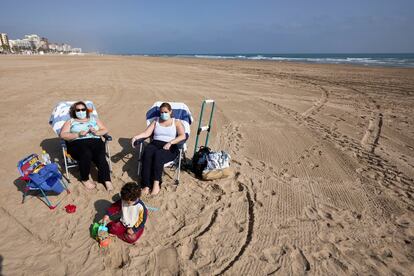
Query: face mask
x,y
81,114
165,116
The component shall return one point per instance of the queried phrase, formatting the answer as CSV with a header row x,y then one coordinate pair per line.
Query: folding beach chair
x,y
58,118
180,112
41,177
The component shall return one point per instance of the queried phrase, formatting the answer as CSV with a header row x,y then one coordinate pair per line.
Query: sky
x,y
217,26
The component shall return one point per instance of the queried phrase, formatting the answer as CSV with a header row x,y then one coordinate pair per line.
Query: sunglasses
x,y
80,109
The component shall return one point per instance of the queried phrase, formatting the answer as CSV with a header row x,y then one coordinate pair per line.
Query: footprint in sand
x,y
167,262
299,264
311,213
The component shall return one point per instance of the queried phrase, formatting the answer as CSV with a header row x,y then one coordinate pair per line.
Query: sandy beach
x,y
323,157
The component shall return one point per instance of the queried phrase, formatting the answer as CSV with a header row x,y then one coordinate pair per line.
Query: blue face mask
x,y
165,116
81,114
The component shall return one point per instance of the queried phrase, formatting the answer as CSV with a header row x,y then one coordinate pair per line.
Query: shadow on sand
x,y
102,205
1,265
129,157
53,147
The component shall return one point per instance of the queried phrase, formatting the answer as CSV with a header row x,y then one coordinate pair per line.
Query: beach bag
x,y
199,162
218,166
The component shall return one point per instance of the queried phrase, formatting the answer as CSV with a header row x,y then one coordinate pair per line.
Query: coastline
x,y
347,59
326,184
400,60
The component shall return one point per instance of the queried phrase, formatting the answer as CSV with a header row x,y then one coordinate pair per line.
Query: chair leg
x,y
139,159
25,191
108,156
177,181
64,184
66,163
49,204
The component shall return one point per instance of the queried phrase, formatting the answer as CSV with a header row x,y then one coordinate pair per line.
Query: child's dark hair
x,y
130,191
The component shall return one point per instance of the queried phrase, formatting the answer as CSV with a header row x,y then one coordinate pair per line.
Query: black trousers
x,y
86,150
153,160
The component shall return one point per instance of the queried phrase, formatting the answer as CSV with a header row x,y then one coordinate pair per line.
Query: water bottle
x,y
46,157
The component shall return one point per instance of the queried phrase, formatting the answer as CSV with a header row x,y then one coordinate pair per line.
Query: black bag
x,y
199,161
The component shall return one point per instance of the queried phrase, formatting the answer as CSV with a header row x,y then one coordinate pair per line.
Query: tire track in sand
x,y
373,131
202,232
375,167
249,233
318,104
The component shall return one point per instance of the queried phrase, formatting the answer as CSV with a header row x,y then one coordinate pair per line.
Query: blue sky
x,y
226,26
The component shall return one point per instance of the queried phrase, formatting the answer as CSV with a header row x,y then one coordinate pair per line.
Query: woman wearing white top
x,y
167,133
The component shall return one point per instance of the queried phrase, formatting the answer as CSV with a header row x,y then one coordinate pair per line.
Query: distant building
x,y
55,47
44,44
76,50
52,47
20,45
34,40
66,47
33,43
4,43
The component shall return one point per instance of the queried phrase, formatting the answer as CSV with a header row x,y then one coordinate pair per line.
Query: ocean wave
x,y
380,61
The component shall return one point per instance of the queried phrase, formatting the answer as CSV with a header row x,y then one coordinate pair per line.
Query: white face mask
x,y
81,114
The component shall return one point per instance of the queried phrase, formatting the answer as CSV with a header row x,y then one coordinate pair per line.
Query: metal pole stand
x,y
204,128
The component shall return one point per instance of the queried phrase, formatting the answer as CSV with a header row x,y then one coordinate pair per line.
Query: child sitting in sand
x,y
133,214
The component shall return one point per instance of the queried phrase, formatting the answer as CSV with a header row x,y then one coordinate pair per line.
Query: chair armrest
x,y
139,141
180,145
107,137
63,143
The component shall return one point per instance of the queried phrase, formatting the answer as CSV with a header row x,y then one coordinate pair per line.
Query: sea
x,y
387,60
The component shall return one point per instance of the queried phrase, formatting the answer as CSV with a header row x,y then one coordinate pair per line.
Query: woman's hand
x,y
133,140
167,146
130,231
82,133
147,133
93,131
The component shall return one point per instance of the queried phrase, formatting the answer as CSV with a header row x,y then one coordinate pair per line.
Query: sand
x,y
323,157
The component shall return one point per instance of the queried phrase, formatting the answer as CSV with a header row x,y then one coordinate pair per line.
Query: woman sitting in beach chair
x,y
83,135
167,133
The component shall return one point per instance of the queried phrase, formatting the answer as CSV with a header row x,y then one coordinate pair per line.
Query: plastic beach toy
x,y
70,208
101,234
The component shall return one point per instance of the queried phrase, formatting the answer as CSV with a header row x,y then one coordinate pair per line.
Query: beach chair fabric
x,y
180,111
60,114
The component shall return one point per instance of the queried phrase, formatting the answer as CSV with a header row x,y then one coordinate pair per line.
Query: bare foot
x,y
89,184
145,191
109,186
155,188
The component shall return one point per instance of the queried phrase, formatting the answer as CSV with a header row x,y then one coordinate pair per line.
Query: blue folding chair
x,y
180,112
41,177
